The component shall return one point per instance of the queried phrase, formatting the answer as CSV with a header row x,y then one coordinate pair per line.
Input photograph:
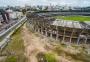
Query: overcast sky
x,y
45,2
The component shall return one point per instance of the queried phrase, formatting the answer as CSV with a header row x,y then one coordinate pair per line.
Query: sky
x,y
45,2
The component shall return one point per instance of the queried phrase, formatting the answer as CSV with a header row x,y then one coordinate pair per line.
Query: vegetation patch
x,y
79,54
50,57
15,48
74,18
11,59
46,57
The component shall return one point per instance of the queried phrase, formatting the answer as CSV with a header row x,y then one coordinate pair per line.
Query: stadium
x,y
63,30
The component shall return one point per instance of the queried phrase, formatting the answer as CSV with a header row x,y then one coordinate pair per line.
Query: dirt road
x,y
33,44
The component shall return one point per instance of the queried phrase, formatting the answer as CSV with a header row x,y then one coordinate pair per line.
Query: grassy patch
x,y
11,59
46,57
74,18
50,57
77,54
15,49
1,39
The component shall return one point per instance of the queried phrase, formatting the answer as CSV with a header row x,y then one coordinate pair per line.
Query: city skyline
x,y
80,3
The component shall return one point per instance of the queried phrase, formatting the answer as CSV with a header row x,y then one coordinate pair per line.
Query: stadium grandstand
x,y
65,31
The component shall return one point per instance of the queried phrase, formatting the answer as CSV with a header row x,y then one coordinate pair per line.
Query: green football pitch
x,y
74,18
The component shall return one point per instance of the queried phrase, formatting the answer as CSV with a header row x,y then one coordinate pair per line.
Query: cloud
x,y
46,2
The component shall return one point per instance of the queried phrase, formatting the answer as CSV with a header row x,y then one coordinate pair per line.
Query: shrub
x,y
46,57
11,59
50,57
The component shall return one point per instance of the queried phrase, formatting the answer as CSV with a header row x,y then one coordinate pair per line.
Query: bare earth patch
x,y
33,44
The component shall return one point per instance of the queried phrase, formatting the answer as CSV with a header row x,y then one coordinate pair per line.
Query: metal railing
x,y
6,34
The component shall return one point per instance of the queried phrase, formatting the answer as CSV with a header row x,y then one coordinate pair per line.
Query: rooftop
x,y
71,24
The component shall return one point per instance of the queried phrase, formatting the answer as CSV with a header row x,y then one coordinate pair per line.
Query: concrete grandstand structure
x,y
65,31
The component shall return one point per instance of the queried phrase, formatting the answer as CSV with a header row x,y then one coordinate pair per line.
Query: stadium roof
x,y
71,24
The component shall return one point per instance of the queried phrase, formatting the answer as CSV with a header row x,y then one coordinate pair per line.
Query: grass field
x,y
74,18
15,49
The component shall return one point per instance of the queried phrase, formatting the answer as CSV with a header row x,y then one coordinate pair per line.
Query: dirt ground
x,y
33,44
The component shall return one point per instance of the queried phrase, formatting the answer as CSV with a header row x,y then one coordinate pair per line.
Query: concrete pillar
x,y
51,34
41,30
85,40
57,35
34,29
38,30
46,31
71,36
64,35
78,40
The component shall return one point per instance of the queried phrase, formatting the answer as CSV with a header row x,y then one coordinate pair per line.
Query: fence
x,y
6,34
